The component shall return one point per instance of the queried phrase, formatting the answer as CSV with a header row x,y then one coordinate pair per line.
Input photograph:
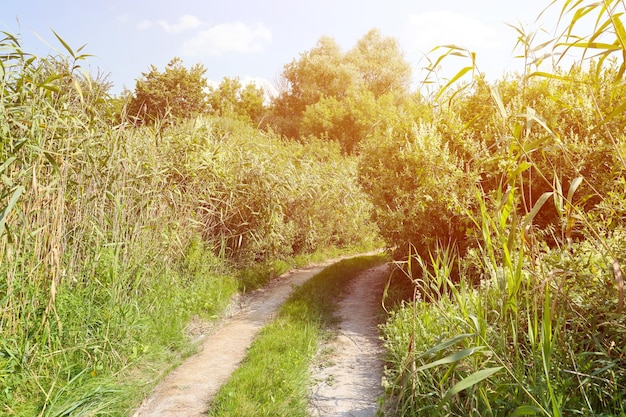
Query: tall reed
x,y
531,323
113,238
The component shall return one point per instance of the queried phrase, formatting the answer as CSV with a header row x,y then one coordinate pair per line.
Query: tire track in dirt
x,y
188,389
349,377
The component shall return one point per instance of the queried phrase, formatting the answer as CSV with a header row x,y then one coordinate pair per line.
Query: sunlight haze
x,y
254,40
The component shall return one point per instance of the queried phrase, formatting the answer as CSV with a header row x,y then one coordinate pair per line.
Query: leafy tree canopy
x,y
176,93
341,95
233,99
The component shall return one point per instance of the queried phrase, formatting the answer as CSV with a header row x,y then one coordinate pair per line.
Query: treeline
x,y
341,97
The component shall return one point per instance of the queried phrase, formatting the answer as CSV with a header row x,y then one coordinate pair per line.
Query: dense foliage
x,y
176,93
230,98
114,236
509,202
341,96
123,219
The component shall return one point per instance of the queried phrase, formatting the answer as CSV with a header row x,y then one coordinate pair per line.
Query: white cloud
x,y
144,24
425,31
228,37
185,22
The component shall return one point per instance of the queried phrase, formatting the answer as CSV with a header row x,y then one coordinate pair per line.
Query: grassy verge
x,y
273,380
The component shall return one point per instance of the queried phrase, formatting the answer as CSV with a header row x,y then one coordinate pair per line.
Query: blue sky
x,y
253,40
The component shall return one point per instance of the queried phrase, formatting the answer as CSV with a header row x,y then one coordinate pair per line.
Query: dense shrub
x,y
420,188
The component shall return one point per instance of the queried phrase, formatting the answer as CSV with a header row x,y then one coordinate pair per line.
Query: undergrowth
x,y
518,301
113,237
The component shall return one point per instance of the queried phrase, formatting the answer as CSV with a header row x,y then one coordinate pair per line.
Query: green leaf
x,y
619,29
5,213
469,382
553,76
526,410
458,75
531,117
495,94
593,45
558,195
446,344
540,202
52,161
65,45
573,187
6,163
452,358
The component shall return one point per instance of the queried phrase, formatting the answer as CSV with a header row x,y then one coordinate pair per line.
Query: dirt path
x,y
187,390
349,371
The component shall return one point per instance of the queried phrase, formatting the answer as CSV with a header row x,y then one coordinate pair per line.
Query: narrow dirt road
x,y
349,369
187,391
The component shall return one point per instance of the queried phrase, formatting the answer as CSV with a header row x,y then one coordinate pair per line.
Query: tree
x,y
177,93
380,64
232,99
320,72
342,96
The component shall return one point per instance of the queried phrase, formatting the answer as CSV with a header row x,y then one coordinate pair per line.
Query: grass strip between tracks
x,y
273,379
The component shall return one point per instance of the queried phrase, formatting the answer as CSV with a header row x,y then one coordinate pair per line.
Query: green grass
x,y
523,314
259,274
113,237
274,380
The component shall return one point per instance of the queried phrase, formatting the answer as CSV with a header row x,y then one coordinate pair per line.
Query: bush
x,y
420,189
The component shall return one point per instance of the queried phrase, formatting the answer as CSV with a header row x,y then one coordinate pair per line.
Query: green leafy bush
x,y
531,323
420,188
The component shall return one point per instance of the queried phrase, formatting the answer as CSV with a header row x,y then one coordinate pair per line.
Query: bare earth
x,y
350,373
187,391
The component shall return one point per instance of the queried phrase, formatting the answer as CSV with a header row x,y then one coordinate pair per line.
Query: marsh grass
x,y
530,324
273,379
112,237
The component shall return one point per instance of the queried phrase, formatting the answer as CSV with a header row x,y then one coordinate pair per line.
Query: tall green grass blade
x,y
607,47
469,382
6,163
527,410
446,344
558,196
495,94
550,75
620,32
532,117
538,205
454,79
452,358
65,45
573,187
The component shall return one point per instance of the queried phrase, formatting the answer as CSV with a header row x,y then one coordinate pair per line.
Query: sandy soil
x,y
349,368
187,391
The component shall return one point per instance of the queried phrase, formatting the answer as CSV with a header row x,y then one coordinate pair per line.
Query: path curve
x,y
188,389
349,377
